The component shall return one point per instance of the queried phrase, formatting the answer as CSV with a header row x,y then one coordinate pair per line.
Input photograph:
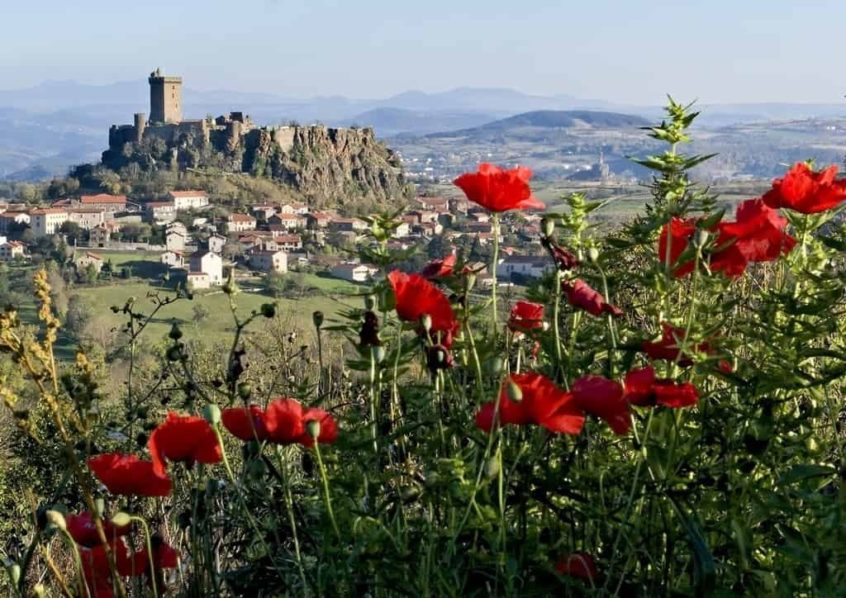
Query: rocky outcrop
x,y
328,167
331,167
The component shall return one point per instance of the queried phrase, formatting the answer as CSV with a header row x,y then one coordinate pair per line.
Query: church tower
x,y
165,98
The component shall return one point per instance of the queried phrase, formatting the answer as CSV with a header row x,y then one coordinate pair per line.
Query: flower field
x,y
661,415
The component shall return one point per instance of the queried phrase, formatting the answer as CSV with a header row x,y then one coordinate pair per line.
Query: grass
x,y
218,325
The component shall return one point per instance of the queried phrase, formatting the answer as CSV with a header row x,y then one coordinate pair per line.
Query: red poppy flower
x,y
806,191
577,564
675,237
245,423
416,297
439,268
328,427
164,557
188,438
580,294
83,531
564,260
499,190
603,398
96,570
542,403
757,235
644,389
128,475
526,317
668,347
283,421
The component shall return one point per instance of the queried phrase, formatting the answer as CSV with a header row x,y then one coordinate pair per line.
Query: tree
x,y
80,312
199,313
72,231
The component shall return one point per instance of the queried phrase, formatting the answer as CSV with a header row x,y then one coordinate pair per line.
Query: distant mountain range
x,y
48,127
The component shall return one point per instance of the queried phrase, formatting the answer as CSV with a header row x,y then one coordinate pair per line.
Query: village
x,y
197,245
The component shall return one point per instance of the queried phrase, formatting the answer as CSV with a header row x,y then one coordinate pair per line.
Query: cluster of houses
x,y
267,239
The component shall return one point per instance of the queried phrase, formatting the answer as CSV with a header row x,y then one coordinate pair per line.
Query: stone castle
x,y
325,165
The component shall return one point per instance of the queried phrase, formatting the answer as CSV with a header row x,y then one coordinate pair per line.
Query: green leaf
x,y
797,473
704,568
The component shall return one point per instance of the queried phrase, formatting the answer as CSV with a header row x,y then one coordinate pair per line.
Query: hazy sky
x,y
628,51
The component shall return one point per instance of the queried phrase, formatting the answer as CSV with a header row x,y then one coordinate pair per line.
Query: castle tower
x,y
140,125
165,98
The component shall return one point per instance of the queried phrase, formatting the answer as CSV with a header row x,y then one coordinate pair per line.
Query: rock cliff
x,y
327,167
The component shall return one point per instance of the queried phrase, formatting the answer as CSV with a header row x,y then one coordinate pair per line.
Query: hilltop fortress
x,y
327,165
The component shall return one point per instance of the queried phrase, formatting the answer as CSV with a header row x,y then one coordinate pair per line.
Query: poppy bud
x,y
39,590
57,519
317,318
514,392
121,519
212,414
471,282
493,365
492,468
244,390
100,506
369,302
174,353
15,573
313,428
378,353
426,322
438,358
268,310
593,254
548,226
175,333
702,237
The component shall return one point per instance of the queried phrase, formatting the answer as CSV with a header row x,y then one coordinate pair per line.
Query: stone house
x,y
87,218
289,242
10,250
174,259
263,212
238,223
529,266
288,220
353,272
208,263
103,201
160,211
269,261
175,240
8,220
294,208
216,243
87,259
188,200
197,281
319,220
47,221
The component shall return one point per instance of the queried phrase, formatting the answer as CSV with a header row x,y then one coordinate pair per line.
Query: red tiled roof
x,y
103,198
241,218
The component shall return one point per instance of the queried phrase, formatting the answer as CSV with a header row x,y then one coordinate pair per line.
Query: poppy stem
x,y
148,541
326,494
494,265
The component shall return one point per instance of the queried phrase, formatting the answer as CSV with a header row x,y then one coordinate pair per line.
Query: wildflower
x,y
83,531
499,190
644,389
369,334
283,420
439,268
668,347
164,557
128,475
328,428
580,294
603,398
564,259
540,402
807,191
245,423
417,297
96,570
526,317
757,235
577,564
187,438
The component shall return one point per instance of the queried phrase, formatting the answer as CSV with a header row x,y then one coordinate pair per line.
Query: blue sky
x,y
627,51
